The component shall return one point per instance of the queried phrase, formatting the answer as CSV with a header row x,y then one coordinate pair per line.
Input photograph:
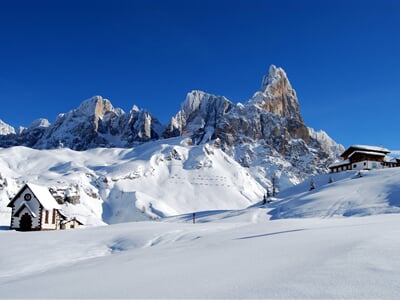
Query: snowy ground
x,y
340,240
231,254
375,192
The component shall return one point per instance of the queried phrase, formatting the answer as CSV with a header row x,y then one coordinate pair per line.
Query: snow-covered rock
x,y
327,143
95,123
268,135
6,129
199,115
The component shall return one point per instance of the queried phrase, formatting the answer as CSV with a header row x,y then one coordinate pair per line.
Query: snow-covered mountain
x,y
266,134
95,123
272,115
268,131
198,117
263,137
114,185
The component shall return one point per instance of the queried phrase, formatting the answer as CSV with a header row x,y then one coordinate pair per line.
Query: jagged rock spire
x,y
277,96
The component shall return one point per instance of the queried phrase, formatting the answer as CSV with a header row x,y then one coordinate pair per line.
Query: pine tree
x,y
275,185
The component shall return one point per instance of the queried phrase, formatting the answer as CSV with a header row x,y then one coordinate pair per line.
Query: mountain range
x,y
100,158
267,130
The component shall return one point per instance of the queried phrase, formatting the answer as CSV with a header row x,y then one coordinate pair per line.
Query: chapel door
x,y
25,223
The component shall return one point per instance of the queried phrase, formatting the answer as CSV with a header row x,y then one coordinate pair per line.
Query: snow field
x,y
222,256
150,181
376,192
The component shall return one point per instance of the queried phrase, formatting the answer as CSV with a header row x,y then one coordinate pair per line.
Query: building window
x,y
46,217
53,220
354,166
365,163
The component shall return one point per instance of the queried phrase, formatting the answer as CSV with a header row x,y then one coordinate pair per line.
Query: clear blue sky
x,y
342,57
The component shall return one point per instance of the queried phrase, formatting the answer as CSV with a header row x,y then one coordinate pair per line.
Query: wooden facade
x,y
361,157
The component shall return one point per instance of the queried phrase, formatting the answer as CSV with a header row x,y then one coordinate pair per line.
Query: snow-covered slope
x,y
345,194
152,180
309,244
239,255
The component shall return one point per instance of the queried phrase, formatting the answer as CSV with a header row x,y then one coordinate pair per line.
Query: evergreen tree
x,y
275,185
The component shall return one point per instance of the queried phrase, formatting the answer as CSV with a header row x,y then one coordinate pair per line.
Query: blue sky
x,y
342,57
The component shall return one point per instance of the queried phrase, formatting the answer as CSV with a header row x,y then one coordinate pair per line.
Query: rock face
x,y
266,134
269,130
198,117
272,114
277,96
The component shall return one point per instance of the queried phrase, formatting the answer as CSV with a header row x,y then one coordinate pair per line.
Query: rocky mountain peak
x,y
39,123
95,106
277,96
198,116
274,74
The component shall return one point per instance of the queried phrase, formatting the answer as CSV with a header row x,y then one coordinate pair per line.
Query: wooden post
x,y
194,218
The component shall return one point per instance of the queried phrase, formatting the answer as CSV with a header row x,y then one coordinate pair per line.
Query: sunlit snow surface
x,y
340,240
151,180
232,254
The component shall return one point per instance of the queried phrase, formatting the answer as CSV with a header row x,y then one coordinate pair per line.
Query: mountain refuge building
x,y
34,208
363,157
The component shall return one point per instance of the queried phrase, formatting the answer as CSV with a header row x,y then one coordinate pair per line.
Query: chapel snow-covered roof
x,y
44,196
